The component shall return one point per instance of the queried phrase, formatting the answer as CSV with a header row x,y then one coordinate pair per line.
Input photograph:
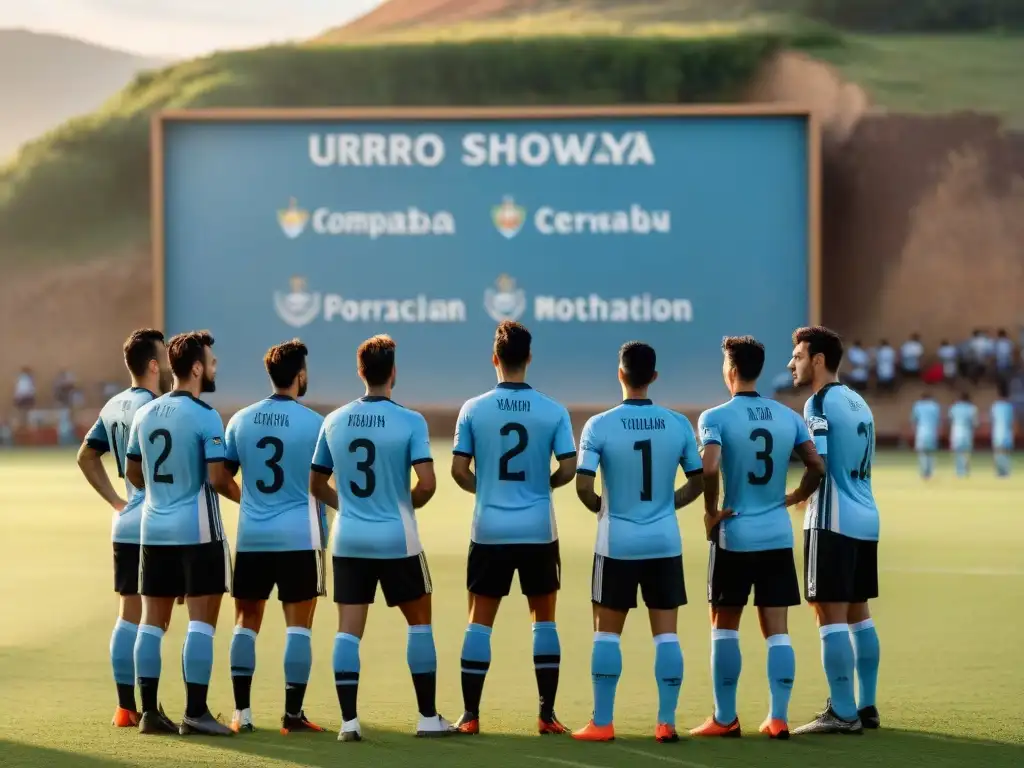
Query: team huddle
x,y
177,460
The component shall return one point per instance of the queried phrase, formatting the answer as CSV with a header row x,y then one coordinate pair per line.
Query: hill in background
x,y
48,79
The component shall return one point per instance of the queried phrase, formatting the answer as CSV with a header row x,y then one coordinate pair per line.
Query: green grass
x,y
949,620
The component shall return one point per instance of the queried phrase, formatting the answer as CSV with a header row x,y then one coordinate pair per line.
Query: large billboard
x,y
593,226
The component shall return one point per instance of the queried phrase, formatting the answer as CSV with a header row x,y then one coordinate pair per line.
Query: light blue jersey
x,y
1002,417
273,442
639,448
511,433
963,419
370,446
757,437
110,433
926,416
843,429
175,437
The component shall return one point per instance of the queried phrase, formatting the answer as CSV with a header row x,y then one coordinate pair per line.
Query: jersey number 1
x,y
644,446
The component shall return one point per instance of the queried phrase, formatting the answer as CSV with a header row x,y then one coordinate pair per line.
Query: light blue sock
x,y
147,651
837,659
420,652
298,655
122,652
242,655
605,670
668,672
1002,464
726,664
476,660
868,654
197,653
781,672
346,673
924,463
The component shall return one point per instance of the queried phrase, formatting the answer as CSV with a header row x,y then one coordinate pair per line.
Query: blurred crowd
x,y
33,410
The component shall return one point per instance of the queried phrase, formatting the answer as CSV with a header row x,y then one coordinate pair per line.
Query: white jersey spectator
x,y
949,356
911,354
859,362
1003,352
885,364
981,347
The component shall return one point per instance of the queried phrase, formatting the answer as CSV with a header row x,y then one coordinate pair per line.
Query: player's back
x,y
370,445
174,437
273,441
843,428
512,432
1002,416
641,447
110,432
926,416
963,418
757,436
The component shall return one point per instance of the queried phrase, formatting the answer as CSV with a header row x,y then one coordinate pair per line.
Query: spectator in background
x,y
6,434
949,356
858,360
911,354
782,384
1003,353
25,393
109,389
981,346
64,388
885,365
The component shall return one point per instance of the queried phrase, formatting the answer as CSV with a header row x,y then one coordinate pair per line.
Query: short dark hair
x,y
512,344
285,361
140,348
638,362
821,341
746,355
376,359
187,349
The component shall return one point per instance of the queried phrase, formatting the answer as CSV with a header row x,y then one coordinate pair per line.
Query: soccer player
x,y
751,439
176,451
926,418
145,356
371,445
511,434
639,447
281,531
840,534
963,420
1003,429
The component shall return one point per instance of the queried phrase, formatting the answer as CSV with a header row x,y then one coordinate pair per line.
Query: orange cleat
x,y
665,734
125,718
775,728
468,724
713,728
552,726
594,732
298,724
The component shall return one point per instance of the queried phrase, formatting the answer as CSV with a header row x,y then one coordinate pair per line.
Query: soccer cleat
x,y
434,726
157,724
241,721
775,728
593,732
829,722
298,724
468,724
713,728
665,733
350,730
206,725
550,726
869,717
125,718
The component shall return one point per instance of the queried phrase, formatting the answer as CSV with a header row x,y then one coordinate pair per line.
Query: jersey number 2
x,y
365,466
867,431
273,464
511,453
763,456
157,477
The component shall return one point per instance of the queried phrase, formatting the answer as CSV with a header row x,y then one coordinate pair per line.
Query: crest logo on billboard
x,y
299,307
505,303
293,220
508,217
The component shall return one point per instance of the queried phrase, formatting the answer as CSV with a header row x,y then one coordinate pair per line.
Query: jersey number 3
x,y
365,466
764,456
273,464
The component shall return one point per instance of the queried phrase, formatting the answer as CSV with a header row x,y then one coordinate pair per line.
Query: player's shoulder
x,y
547,401
716,413
408,415
679,420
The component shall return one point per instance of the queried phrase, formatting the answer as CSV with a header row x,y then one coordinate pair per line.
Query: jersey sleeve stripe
x,y
215,460
463,453
695,472
134,456
711,441
586,472
232,466
100,446
427,460
564,456
322,470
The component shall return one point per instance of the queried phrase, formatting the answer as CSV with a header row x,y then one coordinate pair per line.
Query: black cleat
x,y
298,724
157,723
206,725
869,717
828,722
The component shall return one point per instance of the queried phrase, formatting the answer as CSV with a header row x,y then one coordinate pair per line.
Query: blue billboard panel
x,y
675,229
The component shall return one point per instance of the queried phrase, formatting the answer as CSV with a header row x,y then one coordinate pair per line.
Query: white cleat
x,y
432,727
241,721
350,731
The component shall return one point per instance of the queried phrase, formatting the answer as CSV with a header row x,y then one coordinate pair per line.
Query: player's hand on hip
x,y
119,505
711,521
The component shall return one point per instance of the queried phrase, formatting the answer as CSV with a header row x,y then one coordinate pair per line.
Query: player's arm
x,y
422,463
462,452
320,473
133,457
586,466
221,478
223,481
91,463
564,448
692,464
231,461
814,470
711,462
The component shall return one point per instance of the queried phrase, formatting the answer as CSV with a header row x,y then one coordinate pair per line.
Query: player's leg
x,y
251,584
489,572
126,630
355,587
300,581
162,579
539,567
1001,457
207,579
776,589
866,647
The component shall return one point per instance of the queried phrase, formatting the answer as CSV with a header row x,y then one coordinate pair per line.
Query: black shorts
x,y
770,573
126,569
299,575
839,569
660,579
402,579
491,567
193,570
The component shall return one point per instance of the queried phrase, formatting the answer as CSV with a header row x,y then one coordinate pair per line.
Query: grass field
x,y
950,620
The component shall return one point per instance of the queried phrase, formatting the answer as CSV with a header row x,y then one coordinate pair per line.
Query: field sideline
x,y
950,621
